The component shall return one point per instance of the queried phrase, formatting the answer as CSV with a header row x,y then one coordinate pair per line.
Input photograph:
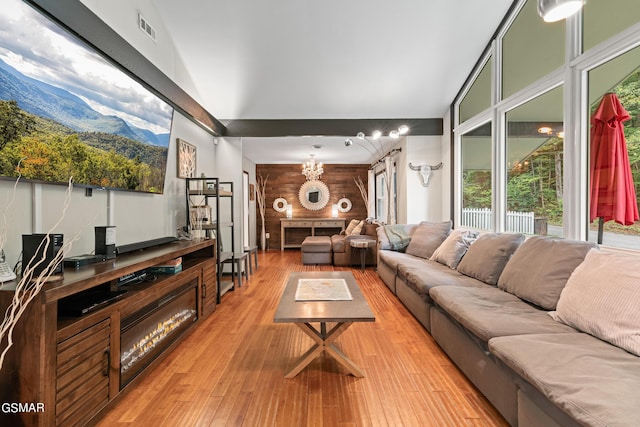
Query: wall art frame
x,y
186,159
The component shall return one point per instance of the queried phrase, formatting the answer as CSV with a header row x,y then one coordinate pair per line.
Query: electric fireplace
x,y
146,333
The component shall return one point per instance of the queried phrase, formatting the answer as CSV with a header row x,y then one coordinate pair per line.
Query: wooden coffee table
x,y
322,310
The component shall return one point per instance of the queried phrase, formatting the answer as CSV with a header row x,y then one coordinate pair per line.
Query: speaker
x,y
106,241
34,249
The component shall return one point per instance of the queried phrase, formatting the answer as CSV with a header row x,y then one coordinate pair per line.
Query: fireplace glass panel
x,y
146,333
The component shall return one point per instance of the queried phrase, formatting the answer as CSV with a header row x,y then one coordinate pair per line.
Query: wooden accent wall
x,y
285,181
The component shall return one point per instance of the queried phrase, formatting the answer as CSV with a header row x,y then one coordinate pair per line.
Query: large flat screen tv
x,y
67,112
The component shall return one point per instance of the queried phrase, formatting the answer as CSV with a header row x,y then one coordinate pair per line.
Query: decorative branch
x,y
364,192
261,184
30,284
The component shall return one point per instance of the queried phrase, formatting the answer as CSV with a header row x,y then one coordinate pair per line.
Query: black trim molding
x,y
329,127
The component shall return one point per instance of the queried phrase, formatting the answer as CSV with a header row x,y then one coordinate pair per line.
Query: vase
x,y
263,238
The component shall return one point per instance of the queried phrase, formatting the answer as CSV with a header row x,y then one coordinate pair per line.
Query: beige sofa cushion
x,y
602,298
369,229
352,225
358,229
488,255
427,237
488,312
591,380
451,251
540,268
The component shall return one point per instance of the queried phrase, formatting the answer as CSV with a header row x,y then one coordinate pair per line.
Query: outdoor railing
x,y
517,222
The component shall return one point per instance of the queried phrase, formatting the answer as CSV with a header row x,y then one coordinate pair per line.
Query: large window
x,y
605,18
535,145
478,98
536,166
381,199
620,76
476,178
531,50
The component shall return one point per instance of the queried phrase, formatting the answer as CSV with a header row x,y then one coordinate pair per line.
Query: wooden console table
x,y
76,366
293,231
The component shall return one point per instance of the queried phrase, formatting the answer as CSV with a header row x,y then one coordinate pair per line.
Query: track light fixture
x,y
376,147
556,10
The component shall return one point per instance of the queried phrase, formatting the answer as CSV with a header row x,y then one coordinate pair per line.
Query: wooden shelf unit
x,y
71,364
200,192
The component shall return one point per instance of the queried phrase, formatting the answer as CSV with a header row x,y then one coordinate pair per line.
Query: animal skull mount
x,y
425,172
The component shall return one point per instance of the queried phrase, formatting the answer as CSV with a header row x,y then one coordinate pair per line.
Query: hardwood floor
x,y
230,369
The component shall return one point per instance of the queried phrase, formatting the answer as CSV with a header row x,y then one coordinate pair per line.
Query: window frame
x,y
573,74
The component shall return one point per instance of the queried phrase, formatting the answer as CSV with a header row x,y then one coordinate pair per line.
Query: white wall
x,y
415,202
121,16
228,166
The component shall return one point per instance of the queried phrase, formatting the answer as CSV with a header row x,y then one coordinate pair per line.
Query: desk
x,y
304,313
293,231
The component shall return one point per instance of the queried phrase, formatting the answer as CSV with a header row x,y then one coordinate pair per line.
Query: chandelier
x,y
311,169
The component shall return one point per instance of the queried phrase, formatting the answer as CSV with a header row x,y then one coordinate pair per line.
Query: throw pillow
x,y
369,229
488,255
427,237
395,237
451,251
602,298
540,268
353,224
356,231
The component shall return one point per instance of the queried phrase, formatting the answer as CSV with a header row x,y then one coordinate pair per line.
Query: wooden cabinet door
x,y
82,374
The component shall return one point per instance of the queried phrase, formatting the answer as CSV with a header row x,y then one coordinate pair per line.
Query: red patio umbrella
x,y
613,196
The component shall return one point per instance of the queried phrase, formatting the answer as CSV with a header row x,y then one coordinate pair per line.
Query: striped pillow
x,y
602,298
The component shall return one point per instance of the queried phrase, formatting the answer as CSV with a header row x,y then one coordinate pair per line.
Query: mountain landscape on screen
x,y
67,113
61,106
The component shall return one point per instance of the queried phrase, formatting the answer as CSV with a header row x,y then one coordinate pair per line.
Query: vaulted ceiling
x,y
331,59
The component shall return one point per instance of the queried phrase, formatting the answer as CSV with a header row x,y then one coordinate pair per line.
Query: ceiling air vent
x,y
144,25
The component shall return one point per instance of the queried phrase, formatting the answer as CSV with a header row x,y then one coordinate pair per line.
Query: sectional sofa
x,y
547,329
341,243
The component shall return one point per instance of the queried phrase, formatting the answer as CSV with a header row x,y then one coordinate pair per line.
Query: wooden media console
x,y
73,363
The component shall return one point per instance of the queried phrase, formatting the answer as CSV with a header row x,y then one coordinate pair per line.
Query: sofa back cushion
x,y
451,251
358,229
602,298
486,257
369,229
540,268
352,225
427,237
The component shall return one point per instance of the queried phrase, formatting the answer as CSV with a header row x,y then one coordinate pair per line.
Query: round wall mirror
x,y
314,195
